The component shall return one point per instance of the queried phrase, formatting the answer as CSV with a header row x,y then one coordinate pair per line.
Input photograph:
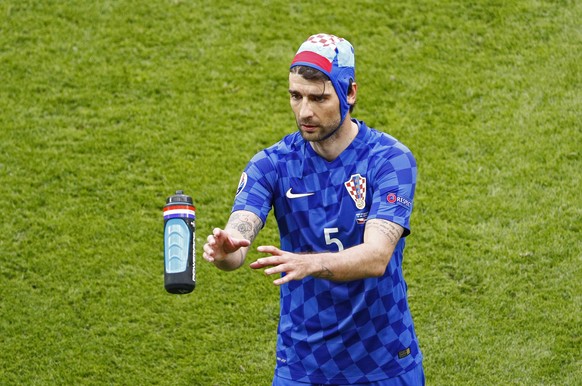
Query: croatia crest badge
x,y
356,187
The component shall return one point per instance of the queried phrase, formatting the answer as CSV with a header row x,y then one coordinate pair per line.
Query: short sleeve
x,y
256,187
394,185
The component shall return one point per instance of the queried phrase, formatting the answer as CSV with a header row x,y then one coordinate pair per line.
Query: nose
x,y
305,110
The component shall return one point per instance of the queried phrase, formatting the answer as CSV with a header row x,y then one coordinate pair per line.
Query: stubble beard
x,y
324,133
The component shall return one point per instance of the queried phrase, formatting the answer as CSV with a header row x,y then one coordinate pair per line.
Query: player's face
x,y
316,107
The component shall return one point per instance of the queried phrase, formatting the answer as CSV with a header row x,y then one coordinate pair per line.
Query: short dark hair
x,y
310,73
314,75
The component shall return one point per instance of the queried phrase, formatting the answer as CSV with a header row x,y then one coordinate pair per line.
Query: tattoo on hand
x,y
324,273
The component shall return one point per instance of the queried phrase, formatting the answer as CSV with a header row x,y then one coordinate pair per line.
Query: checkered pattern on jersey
x,y
346,332
337,332
388,166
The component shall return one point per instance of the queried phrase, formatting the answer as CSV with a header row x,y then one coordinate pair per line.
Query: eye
x,y
295,96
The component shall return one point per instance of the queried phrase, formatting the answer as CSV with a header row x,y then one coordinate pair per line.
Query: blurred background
x,y
109,107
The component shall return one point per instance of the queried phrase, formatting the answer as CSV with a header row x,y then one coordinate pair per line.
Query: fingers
x,y
282,280
275,264
209,252
275,267
213,244
242,242
267,261
270,249
218,235
219,244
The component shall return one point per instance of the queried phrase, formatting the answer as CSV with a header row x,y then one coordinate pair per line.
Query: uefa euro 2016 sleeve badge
x,y
356,187
242,183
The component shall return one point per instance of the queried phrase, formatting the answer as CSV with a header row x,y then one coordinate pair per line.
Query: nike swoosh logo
x,y
291,195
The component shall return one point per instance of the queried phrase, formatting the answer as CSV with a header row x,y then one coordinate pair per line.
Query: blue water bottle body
x,y
179,244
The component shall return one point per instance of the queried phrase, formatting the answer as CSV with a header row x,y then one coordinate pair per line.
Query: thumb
x,y
242,242
232,244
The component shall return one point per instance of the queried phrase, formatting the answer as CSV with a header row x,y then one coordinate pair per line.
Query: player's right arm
x,y
228,248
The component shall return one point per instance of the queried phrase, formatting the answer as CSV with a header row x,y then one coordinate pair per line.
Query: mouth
x,y
308,127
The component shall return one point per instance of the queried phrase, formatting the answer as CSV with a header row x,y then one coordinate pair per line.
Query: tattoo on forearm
x,y
392,231
247,225
324,273
245,228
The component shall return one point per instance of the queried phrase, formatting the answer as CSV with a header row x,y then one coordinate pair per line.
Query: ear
x,y
352,92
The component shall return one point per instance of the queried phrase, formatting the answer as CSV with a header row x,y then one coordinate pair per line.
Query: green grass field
x,y
106,108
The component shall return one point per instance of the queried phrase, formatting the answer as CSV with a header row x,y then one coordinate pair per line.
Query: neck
x,y
330,148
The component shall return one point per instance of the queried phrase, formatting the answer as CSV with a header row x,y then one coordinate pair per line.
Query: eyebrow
x,y
325,93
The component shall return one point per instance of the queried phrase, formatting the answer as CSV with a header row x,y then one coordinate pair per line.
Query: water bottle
x,y
179,244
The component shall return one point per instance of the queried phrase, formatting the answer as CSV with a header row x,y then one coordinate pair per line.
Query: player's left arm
x,y
368,259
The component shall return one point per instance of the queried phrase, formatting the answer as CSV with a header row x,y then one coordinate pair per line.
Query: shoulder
x,y
272,160
386,148
383,142
287,145
285,150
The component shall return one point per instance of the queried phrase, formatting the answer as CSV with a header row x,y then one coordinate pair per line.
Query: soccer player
x,y
342,195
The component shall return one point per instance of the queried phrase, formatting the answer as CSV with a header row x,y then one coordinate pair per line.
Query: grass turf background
x,y
108,107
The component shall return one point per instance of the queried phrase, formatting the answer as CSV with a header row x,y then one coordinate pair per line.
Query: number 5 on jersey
x,y
327,232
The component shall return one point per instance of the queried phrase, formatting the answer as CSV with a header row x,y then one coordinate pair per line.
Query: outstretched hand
x,y
294,266
220,244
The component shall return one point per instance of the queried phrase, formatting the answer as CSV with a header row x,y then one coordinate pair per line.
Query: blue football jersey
x,y
338,332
